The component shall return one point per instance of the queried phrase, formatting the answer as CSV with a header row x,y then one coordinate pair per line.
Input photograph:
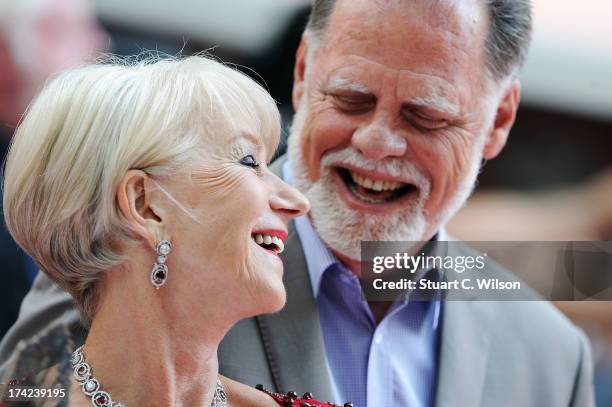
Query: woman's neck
x,y
152,355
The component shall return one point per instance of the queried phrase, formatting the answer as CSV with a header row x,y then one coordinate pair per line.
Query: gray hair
x,y
507,42
91,125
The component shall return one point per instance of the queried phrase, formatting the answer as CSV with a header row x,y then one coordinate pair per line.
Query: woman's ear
x,y
134,196
298,73
504,119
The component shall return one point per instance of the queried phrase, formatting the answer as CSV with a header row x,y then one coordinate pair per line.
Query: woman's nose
x,y
288,200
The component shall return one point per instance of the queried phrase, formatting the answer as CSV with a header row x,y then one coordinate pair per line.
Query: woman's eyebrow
x,y
248,136
251,139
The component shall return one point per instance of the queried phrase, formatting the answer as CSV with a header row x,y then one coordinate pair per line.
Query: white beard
x,y
343,228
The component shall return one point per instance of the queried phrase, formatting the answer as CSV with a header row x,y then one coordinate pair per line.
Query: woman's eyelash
x,y
249,161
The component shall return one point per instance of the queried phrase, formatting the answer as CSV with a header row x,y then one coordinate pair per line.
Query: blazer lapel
x,y
292,338
464,352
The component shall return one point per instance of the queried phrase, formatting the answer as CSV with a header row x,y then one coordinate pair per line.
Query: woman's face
x,y
228,226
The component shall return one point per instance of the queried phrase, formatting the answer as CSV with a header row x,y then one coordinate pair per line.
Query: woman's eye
x,y
249,161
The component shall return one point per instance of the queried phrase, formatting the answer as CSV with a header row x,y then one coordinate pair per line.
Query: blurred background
x,y
553,181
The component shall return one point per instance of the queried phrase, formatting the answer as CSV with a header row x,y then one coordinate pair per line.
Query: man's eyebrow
x,y
436,102
337,83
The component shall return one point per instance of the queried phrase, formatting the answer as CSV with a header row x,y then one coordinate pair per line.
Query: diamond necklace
x,y
99,398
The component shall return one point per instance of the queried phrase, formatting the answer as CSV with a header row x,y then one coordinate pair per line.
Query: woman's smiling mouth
x,y
271,240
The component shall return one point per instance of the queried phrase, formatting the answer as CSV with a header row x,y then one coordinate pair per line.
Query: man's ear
x,y
134,199
298,72
504,119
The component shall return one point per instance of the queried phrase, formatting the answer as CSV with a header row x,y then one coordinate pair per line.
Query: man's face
x,y
392,118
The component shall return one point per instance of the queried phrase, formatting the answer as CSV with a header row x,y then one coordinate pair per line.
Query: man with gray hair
x,y
397,104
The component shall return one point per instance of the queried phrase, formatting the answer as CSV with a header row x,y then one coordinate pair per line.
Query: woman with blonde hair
x,y
142,189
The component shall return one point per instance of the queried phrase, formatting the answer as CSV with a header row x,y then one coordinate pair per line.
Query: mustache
x,y
394,167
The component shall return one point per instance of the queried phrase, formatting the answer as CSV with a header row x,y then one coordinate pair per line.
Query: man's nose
x,y
376,141
288,201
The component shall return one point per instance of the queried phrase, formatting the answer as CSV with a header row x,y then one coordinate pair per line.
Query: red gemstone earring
x,y
159,274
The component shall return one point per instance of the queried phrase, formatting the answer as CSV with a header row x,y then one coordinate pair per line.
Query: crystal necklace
x,y
99,398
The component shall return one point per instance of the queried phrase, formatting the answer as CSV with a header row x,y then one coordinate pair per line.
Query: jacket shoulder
x,y
46,308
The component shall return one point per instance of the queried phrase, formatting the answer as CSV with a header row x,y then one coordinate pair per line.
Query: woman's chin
x,y
274,300
282,299
268,267
266,261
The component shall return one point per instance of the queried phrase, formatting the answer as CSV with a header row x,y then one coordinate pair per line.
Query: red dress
x,y
291,399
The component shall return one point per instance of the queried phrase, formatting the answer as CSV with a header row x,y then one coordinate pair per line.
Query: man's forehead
x,y
409,27
440,12
424,51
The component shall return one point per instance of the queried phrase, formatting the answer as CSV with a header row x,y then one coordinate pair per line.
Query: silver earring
x,y
159,274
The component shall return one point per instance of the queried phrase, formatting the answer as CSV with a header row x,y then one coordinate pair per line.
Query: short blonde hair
x,y
91,125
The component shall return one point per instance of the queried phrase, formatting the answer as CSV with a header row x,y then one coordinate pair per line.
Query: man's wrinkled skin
x,y
403,87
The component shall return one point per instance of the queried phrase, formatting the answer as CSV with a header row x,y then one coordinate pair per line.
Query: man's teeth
x,y
376,185
269,240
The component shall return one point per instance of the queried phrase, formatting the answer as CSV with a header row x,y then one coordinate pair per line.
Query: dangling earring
x,y
159,274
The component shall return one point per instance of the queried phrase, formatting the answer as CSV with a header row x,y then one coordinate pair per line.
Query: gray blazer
x,y
491,353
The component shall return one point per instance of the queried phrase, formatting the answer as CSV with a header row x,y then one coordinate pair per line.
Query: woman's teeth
x,y
376,185
269,242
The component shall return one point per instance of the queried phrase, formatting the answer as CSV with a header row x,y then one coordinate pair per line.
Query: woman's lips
x,y
272,232
272,240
